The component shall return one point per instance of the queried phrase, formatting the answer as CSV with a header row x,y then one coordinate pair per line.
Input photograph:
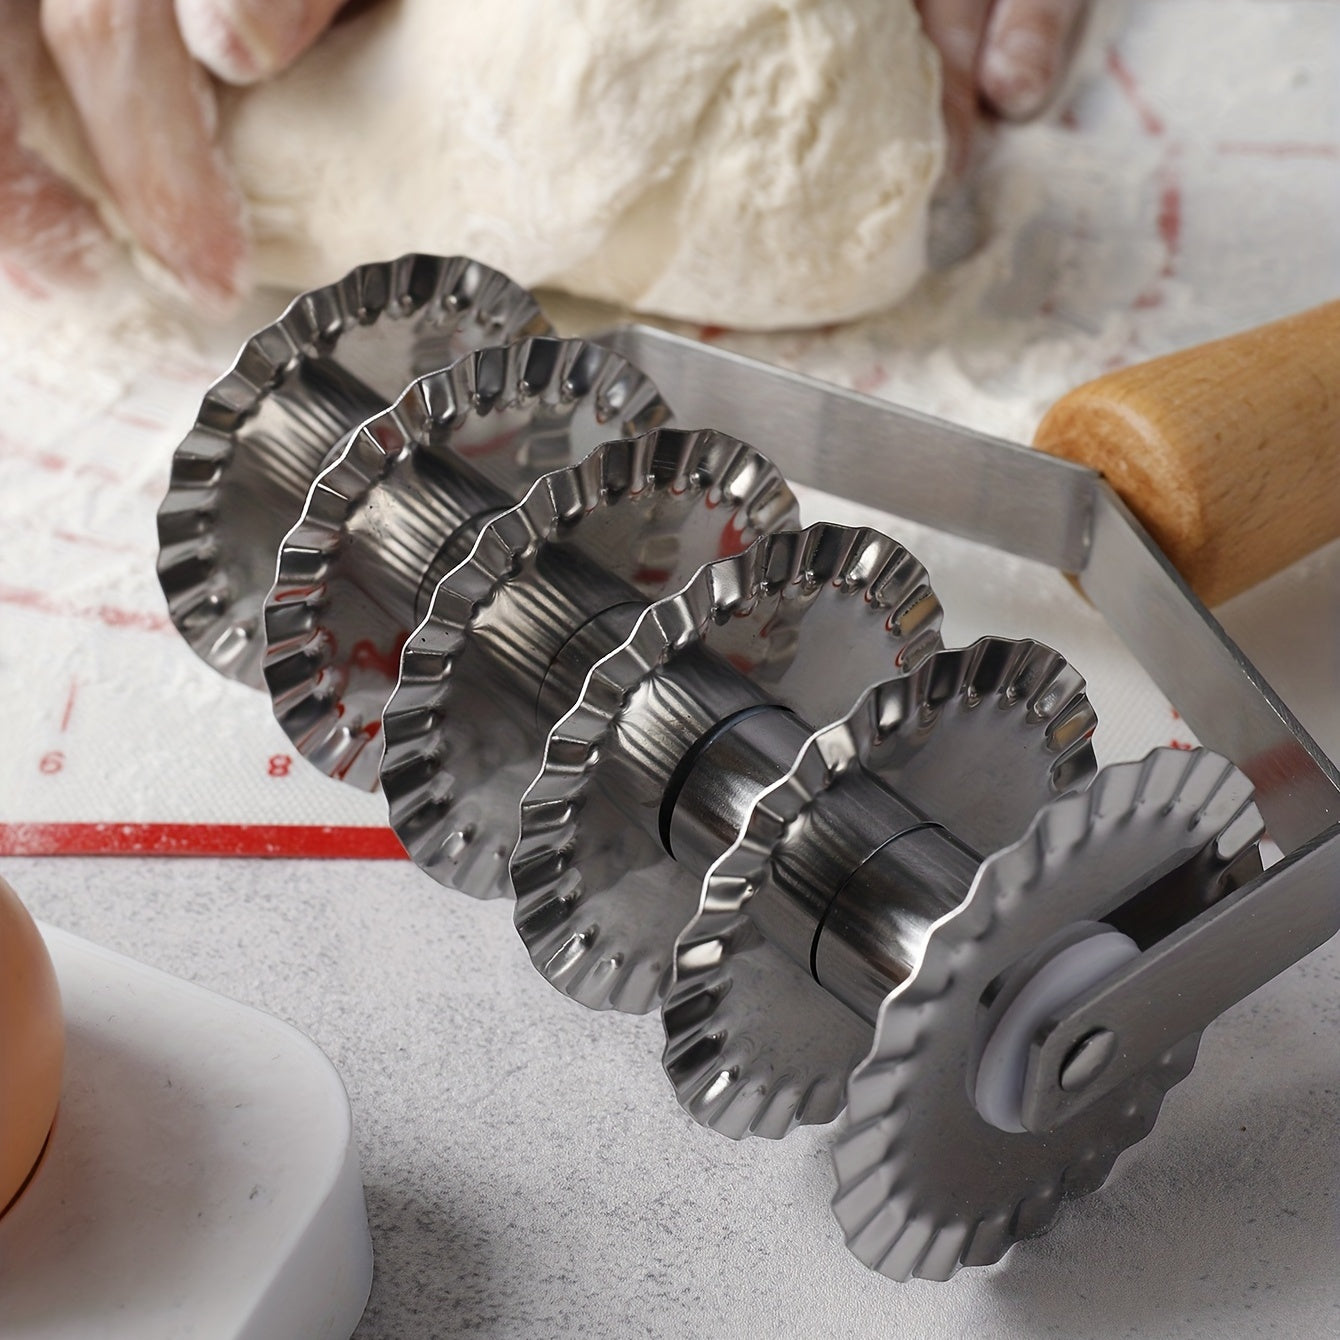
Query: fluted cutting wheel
x,y
977,739
336,357
461,747
402,503
600,902
925,1183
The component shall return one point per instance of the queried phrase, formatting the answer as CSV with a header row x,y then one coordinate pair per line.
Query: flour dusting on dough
x,y
753,163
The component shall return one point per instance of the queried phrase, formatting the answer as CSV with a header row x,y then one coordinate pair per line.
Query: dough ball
x,y
752,163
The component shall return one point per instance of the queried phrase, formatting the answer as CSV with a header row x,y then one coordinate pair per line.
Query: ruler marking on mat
x,y
335,842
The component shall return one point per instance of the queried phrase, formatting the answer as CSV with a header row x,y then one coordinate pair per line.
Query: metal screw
x,y
1087,1059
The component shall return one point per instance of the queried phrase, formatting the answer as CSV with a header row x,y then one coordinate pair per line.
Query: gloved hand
x,y
1006,56
137,72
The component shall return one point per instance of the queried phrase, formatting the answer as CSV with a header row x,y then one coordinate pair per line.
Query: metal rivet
x,y
1087,1059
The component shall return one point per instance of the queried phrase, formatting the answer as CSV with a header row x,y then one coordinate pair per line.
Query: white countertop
x,y
528,1172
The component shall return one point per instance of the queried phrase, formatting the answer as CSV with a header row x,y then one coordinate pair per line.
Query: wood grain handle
x,y
1229,453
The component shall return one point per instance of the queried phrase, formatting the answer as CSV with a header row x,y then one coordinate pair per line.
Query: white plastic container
x,y
201,1180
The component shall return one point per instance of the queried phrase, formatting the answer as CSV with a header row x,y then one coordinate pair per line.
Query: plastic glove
x,y
1007,56
137,72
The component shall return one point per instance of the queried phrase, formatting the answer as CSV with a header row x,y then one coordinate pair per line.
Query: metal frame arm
x,y
1185,981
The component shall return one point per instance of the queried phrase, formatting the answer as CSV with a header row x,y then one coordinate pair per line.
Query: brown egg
x,y
32,1045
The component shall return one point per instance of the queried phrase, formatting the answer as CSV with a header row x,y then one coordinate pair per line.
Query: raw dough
x,y
754,163
748,163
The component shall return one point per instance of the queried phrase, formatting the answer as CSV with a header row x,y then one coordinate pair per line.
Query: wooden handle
x,y
1229,453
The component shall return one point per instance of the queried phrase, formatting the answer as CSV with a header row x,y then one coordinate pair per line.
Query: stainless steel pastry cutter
x,y
726,764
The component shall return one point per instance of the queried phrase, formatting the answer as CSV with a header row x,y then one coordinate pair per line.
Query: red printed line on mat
x,y
305,840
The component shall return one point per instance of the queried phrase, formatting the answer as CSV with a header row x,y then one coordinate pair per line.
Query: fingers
x,y
242,41
149,113
44,222
957,28
1028,43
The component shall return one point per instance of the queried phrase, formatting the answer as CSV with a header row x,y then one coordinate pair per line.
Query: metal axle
x,y
700,743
